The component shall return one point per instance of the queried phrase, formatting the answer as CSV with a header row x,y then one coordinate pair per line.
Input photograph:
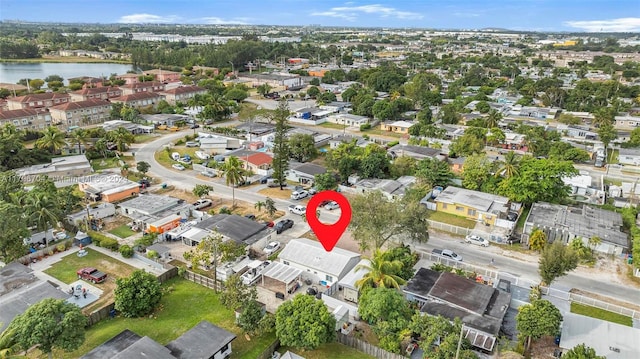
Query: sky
x,y
530,15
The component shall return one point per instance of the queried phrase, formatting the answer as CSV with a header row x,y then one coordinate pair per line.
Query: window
x,y
329,278
16,122
444,206
459,209
471,212
224,348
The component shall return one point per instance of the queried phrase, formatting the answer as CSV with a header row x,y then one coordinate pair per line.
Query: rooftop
x,y
148,202
201,341
480,201
107,183
313,255
237,228
413,151
310,169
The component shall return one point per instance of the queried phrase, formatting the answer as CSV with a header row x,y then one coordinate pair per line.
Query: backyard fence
x,y
205,281
581,299
268,353
440,226
367,348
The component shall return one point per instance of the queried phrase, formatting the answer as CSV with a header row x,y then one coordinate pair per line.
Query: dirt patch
x,y
178,193
543,347
243,208
110,223
276,192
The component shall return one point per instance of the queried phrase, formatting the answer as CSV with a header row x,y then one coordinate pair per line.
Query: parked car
x,y
91,274
202,155
312,191
250,216
512,216
296,195
332,205
178,166
283,225
192,144
272,247
144,183
447,253
297,209
202,203
175,156
269,224
473,239
195,125
272,182
209,173
264,179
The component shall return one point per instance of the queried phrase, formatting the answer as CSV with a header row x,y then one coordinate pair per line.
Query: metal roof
x,y
311,254
281,272
611,340
355,275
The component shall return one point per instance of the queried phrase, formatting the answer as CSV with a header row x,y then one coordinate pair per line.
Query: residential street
x,y
602,282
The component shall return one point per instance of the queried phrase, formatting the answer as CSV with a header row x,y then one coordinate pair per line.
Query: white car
x,y
473,239
202,203
192,144
178,167
299,194
272,247
297,209
202,155
331,205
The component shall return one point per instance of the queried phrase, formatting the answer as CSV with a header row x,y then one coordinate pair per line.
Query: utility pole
x,y
460,341
233,71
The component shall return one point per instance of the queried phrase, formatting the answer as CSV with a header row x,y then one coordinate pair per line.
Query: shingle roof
x,y
81,105
311,254
201,341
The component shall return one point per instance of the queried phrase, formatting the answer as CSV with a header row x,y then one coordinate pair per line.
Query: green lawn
x,y
123,231
451,219
613,158
65,270
377,131
598,313
183,305
522,218
249,111
147,137
330,350
332,125
113,162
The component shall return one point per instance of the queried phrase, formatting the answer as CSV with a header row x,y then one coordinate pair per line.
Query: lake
x,y
12,72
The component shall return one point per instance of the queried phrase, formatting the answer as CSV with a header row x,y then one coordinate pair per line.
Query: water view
x,y
12,72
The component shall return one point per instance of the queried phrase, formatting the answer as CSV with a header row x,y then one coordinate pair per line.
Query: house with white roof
x,y
324,268
397,126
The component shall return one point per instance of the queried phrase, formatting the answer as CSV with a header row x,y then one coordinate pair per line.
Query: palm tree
x,y
121,137
8,345
493,119
233,173
259,205
101,146
42,210
80,136
381,272
52,139
577,244
594,242
510,166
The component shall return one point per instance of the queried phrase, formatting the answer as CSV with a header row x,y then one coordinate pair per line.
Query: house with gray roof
x,y
205,340
609,340
392,189
481,307
325,267
564,223
304,173
149,210
416,152
239,229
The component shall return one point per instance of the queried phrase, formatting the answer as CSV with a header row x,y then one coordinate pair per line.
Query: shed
x,y
348,283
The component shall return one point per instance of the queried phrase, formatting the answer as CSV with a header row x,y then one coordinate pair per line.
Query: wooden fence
x,y
268,353
205,281
367,348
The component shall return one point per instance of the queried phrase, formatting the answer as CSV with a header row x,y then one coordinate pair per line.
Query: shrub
x,y
126,251
180,142
365,127
225,210
109,243
151,254
61,247
392,143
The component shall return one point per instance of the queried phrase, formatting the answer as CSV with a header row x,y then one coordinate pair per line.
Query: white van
x,y
299,194
175,156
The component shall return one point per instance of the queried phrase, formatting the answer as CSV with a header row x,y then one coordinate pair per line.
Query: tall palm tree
x,y
8,345
510,166
259,205
233,173
52,139
42,211
381,272
80,136
121,137
493,119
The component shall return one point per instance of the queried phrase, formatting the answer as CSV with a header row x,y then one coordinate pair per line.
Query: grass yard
x,y
451,219
336,126
522,218
146,137
65,271
602,314
113,162
184,304
122,231
378,132
329,350
164,158
250,110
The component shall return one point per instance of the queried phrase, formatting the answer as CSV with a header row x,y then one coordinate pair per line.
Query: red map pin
x,y
328,234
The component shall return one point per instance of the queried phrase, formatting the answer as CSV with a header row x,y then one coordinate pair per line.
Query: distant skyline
x,y
522,15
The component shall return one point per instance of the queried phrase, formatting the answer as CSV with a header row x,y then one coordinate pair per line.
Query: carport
x,y
284,274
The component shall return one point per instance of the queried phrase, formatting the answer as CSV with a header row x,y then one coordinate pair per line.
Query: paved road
x,y
472,254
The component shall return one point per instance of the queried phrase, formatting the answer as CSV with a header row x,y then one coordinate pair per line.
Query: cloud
x,y
148,19
627,24
351,13
465,14
220,21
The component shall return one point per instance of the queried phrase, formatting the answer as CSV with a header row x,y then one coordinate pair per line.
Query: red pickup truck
x,y
91,275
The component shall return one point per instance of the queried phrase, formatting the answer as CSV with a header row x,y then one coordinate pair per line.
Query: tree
x,y
313,92
304,322
493,118
233,174
250,317
383,304
374,220
476,171
13,227
538,180
449,115
138,294
259,205
556,261
302,147
121,137
509,166
538,319
143,167
263,89
380,272
36,84
607,133
325,181
80,136
537,240
52,140
50,323
466,145
236,293
270,206
281,150
202,190
42,209
433,172
581,351
440,330
403,166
